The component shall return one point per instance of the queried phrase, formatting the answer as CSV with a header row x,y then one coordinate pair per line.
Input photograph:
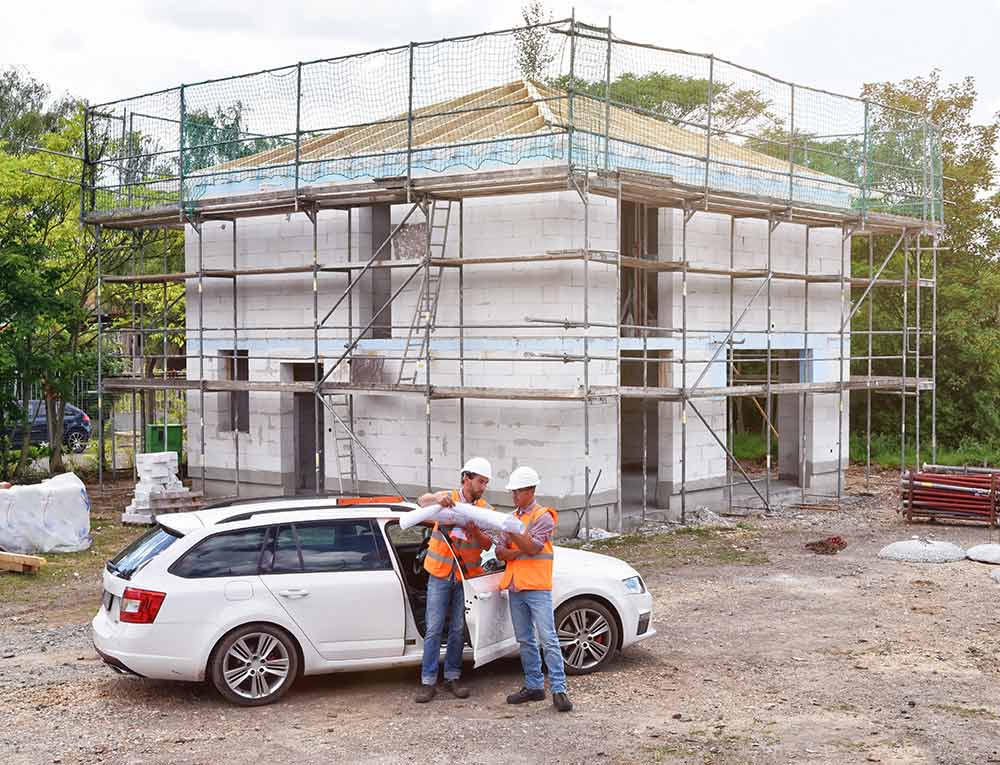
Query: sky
x,y
103,51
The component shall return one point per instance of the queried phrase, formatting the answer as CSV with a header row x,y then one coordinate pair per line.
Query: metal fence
x,y
562,92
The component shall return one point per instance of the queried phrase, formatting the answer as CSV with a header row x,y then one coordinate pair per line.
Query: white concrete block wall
x,y
547,435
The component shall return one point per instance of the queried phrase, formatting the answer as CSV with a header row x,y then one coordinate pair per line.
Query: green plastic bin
x,y
154,438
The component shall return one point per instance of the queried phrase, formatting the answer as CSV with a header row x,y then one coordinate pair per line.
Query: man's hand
x,y
524,542
475,534
505,553
444,499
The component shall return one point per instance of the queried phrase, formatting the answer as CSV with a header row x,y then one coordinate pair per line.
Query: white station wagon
x,y
250,595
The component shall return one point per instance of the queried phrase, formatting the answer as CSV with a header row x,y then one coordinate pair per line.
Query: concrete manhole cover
x,y
922,551
984,553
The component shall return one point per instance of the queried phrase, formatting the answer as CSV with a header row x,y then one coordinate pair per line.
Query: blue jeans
x,y
531,610
445,599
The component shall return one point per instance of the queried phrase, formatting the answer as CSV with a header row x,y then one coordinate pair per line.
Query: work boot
x,y
561,702
526,694
425,694
456,690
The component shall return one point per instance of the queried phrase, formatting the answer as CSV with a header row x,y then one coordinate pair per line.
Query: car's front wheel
x,y
76,441
588,635
254,665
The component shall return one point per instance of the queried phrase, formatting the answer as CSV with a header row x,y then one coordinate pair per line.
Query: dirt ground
x,y
765,653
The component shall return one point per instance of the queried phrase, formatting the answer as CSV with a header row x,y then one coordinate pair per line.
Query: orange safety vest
x,y
531,572
440,562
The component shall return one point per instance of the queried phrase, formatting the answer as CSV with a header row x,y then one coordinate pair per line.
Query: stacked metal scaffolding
x,y
166,161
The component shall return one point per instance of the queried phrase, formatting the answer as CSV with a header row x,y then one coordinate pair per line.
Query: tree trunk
x,y
22,460
148,409
55,409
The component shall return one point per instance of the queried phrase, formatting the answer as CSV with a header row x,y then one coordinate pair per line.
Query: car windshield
x,y
141,551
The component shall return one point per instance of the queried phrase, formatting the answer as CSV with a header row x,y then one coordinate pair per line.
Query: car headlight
x,y
634,585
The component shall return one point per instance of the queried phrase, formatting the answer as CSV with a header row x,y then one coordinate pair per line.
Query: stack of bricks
x,y
159,489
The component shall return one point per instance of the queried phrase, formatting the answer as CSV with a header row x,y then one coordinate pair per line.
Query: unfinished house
x,y
545,246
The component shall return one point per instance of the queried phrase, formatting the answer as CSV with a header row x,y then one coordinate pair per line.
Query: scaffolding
x,y
557,107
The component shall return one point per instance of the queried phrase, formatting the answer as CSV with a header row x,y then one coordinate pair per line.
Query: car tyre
x,y
588,635
76,441
254,665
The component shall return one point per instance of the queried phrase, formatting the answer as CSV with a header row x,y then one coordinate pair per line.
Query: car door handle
x,y
293,593
484,595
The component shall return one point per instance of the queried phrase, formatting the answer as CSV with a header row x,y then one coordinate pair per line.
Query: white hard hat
x,y
479,466
522,478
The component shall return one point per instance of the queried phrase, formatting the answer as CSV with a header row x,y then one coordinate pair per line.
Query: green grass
x,y
885,452
752,446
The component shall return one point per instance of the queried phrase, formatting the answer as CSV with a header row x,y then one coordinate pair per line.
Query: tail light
x,y
140,606
86,418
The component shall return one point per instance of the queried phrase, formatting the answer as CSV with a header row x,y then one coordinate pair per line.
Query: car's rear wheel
x,y
254,665
76,441
588,635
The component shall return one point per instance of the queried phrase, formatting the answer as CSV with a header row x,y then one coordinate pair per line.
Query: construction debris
x,y
26,564
705,517
828,546
940,492
596,533
922,550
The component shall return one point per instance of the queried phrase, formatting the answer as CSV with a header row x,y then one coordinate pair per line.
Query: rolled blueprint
x,y
461,514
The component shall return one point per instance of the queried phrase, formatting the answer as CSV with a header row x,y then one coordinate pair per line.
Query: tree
x,y
25,112
533,55
682,100
968,373
213,138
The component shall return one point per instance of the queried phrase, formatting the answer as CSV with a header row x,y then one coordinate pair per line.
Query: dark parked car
x,y
76,427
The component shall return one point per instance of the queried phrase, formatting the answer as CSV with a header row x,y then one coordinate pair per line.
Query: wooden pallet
x,y
25,564
176,502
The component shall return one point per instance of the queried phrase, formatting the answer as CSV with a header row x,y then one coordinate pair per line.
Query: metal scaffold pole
x,y
100,359
845,291
163,344
587,488
804,363
685,217
318,481
618,349
196,224
771,225
868,391
903,365
731,367
640,219
461,331
350,341
428,206
236,345
934,277
916,355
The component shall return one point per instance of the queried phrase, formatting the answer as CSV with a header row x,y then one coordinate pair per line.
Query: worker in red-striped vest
x,y
445,597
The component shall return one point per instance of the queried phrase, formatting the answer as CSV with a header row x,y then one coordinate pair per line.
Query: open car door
x,y
487,615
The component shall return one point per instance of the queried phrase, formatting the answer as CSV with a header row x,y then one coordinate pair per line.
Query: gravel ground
x,y
765,653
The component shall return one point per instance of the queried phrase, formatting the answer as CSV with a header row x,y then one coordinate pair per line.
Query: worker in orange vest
x,y
445,596
528,579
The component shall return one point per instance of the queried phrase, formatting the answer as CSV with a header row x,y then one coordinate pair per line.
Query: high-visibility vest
x,y
440,562
531,572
